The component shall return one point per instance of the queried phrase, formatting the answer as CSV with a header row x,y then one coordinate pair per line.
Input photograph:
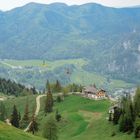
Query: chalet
x,y
93,93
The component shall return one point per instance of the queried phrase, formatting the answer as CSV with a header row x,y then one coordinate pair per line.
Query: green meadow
x,y
11,133
81,118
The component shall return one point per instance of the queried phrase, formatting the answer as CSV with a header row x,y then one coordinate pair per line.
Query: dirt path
x,y
36,111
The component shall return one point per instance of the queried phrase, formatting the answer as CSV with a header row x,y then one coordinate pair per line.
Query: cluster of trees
x,y
9,87
128,114
23,122
58,88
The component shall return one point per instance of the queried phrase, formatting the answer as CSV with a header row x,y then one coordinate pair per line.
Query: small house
x,y
93,93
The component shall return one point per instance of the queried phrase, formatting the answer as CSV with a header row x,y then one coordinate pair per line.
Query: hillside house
x,y
93,93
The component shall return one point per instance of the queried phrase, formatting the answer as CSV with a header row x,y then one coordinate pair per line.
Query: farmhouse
x,y
93,93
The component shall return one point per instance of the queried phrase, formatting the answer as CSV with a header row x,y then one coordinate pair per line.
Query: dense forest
x,y
9,87
127,114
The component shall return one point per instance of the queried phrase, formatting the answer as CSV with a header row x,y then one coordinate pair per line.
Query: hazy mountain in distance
x,y
108,37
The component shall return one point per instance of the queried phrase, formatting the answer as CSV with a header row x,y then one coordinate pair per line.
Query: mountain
x,y
108,37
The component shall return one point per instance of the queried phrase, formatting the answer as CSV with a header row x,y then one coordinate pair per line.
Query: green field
x,y
11,133
48,64
20,102
81,118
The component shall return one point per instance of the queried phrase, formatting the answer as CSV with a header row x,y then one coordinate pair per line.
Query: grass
x,y
48,64
20,102
81,118
11,133
84,119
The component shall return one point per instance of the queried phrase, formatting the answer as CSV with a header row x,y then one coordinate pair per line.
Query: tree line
x,y
9,87
56,87
127,114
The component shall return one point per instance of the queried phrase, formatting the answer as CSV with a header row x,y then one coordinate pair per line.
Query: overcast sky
x,y
9,4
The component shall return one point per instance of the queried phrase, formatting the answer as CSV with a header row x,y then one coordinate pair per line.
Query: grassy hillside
x,y
11,133
20,102
85,119
81,118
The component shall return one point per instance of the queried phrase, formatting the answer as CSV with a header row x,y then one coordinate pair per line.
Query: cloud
x,y
9,4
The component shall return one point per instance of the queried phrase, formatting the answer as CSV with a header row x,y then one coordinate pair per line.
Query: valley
x,y
36,72
69,72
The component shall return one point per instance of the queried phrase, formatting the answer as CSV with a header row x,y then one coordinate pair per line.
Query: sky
x,y
10,4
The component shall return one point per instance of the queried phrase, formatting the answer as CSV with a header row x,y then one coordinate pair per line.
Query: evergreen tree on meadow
x,y
2,111
57,116
137,112
58,87
137,127
25,120
137,102
49,101
59,99
15,117
116,115
34,125
48,87
50,130
19,116
126,121
26,112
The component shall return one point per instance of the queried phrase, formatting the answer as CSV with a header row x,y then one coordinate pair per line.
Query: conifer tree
x,y
50,130
25,120
116,115
58,86
126,121
49,102
137,102
48,87
26,112
59,98
2,111
137,127
15,117
57,116
34,125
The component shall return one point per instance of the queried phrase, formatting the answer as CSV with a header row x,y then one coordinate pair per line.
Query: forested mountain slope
x,y
108,37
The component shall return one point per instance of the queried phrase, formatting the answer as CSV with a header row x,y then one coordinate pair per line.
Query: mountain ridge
x,y
106,36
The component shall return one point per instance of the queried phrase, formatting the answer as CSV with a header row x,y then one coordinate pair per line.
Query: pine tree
x,y
34,125
50,130
2,111
25,120
57,116
26,112
126,121
14,117
122,123
116,115
59,99
137,127
58,87
137,102
48,87
19,116
49,102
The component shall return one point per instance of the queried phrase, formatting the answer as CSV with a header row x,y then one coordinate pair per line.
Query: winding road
x,y
36,111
